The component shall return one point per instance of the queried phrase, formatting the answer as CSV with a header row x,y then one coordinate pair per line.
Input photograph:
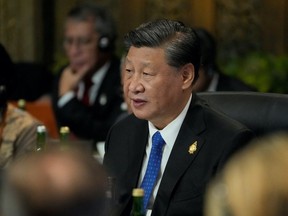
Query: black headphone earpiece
x,y
104,44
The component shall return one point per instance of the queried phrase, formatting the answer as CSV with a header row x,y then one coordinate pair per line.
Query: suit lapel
x,y
137,147
180,158
111,78
137,141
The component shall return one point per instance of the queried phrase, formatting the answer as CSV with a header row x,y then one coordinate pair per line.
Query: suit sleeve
x,y
88,122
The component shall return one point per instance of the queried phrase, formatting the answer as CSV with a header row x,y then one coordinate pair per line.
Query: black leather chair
x,y
264,113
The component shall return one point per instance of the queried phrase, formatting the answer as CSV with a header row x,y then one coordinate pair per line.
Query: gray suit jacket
x,y
186,175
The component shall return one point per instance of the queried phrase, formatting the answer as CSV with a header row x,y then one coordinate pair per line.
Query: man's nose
x,y
73,49
72,46
135,84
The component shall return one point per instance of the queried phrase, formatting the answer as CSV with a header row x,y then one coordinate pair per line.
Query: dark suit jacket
x,y
228,83
186,175
93,122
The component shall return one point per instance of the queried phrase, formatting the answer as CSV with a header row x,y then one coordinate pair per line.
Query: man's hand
x,y
70,79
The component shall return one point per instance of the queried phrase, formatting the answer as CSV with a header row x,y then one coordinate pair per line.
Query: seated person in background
x,y
254,182
7,71
17,131
210,76
87,96
24,80
55,183
161,67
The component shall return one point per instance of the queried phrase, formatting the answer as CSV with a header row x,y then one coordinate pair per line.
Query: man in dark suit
x,y
87,96
160,68
211,77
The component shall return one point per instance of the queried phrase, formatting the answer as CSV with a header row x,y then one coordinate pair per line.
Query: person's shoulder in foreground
x,y
161,68
21,129
55,182
253,182
17,131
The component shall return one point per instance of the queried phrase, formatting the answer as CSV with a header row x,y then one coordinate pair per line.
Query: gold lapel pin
x,y
192,148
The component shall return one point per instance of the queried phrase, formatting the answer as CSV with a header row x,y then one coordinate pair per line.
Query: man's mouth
x,y
138,102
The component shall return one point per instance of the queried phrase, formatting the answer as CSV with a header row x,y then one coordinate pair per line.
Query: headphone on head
x,y
105,44
104,23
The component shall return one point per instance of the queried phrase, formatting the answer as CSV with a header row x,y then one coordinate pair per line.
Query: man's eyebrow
x,y
145,64
127,60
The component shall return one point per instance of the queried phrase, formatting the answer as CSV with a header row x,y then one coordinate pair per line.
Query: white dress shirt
x,y
169,134
214,82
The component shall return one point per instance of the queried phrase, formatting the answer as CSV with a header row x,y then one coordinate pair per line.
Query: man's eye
x,y
68,41
146,74
84,41
129,72
77,41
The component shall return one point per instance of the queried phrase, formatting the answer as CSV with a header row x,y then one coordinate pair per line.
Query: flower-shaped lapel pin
x,y
192,148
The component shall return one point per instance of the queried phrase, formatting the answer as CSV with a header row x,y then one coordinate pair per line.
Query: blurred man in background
x,y
87,96
210,76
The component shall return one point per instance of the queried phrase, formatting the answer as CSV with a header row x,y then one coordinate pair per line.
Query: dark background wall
x,y
31,30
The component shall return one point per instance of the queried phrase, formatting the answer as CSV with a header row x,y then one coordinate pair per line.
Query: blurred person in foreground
x,y
254,182
87,96
17,131
55,182
161,67
210,76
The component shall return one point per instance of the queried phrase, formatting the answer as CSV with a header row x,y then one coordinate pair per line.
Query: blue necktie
x,y
153,167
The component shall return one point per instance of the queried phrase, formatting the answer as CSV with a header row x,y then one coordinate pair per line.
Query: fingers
x,y
83,71
70,78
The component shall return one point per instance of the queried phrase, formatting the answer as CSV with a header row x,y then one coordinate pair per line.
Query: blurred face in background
x,y
81,44
203,81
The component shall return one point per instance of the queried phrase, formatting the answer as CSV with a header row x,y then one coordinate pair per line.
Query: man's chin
x,y
77,65
74,68
140,115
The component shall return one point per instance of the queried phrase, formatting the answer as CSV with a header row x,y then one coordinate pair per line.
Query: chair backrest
x,y
42,110
263,113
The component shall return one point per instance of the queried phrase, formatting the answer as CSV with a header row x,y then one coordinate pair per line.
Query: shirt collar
x,y
98,76
214,82
170,132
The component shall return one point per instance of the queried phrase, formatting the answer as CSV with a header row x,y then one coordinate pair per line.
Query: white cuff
x,y
64,99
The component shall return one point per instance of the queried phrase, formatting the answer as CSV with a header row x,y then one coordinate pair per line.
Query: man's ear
x,y
188,74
